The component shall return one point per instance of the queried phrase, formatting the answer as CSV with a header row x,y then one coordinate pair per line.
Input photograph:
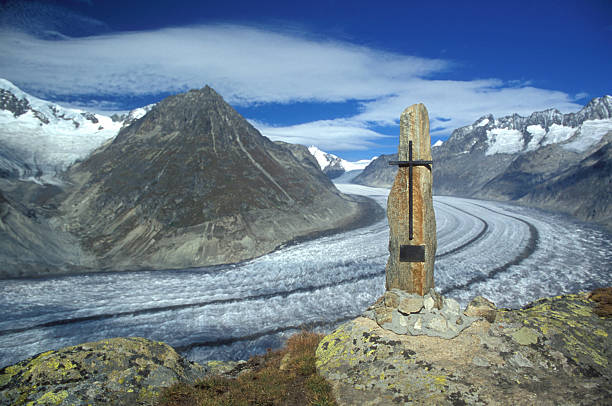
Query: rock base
x,y
555,351
412,314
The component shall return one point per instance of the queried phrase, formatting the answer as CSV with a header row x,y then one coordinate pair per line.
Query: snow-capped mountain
x,y
133,115
39,139
516,134
548,159
334,166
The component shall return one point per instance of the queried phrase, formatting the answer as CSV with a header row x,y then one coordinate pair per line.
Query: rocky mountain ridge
x,y
550,160
515,134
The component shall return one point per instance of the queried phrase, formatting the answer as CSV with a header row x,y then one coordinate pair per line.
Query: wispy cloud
x,y
246,65
340,134
250,65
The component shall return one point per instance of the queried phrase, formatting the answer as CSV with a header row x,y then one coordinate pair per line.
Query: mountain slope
x,y
31,243
566,191
192,183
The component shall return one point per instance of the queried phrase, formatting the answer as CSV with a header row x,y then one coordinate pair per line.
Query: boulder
x,y
117,371
481,307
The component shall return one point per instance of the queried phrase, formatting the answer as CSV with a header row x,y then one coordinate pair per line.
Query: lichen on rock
x,y
553,351
118,371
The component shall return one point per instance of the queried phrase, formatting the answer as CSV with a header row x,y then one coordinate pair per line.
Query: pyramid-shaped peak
x,y
206,92
193,103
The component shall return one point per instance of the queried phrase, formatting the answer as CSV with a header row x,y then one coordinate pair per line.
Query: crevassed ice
x,y
54,145
591,132
537,133
558,133
504,141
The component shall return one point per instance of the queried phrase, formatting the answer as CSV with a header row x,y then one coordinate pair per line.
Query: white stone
x,y
410,305
451,307
418,325
428,303
437,323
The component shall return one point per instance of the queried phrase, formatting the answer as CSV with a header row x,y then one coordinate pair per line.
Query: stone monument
x,y
410,304
412,222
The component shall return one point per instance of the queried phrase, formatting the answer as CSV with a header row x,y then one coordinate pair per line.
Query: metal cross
x,y
410,164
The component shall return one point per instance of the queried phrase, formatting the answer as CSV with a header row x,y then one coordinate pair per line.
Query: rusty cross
x,y
410,163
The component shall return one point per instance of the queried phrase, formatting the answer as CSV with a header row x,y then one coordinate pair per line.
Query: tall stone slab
x,y
411,255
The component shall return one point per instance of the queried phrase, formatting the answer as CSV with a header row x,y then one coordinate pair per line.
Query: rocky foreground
x,y
553,351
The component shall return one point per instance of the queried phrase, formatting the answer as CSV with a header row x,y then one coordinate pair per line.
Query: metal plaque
x,y
412,253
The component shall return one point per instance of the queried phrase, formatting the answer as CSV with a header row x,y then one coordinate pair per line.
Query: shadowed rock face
x,y
193,183
378,173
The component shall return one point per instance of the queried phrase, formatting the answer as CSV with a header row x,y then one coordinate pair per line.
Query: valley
x,y
509,254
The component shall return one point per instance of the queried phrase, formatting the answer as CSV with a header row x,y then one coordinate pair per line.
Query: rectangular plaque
x,y
412,253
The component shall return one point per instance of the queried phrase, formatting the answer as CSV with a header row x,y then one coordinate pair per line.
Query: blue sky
x,y
336,74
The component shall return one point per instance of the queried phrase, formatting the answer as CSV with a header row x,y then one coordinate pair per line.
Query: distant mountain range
x,y
334,166
189,183
549,160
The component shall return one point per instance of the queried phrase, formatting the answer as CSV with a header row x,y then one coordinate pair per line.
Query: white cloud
x,y
246,65
464,102
249,65
338,135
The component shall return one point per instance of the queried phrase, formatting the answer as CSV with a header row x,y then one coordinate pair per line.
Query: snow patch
x,y
537,134
482,122
438,143
504,141
558,133
325,159
357,165
48,138
589,134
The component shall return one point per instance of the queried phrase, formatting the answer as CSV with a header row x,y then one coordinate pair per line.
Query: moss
x,y
148,395
6,378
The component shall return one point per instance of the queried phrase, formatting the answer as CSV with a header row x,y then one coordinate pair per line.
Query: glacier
x,y
40,139
509,254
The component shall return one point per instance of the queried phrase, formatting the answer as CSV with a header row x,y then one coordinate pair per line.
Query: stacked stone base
x,y
412,314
